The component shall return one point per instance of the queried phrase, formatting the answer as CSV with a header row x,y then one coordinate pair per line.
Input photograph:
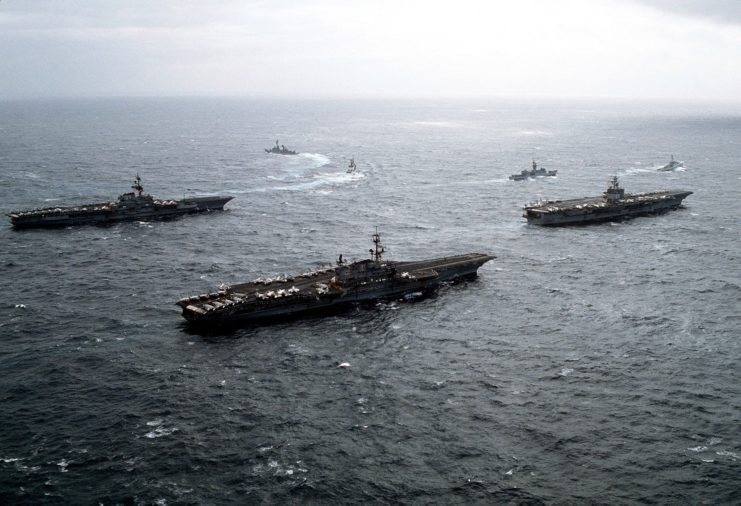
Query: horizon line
x,y
373,97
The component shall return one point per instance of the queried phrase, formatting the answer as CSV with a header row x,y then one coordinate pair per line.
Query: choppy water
x,y
589,364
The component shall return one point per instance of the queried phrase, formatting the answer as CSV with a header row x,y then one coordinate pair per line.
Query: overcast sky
x,y
669,49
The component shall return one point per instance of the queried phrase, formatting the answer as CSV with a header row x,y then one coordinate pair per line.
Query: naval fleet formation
x,y
344,284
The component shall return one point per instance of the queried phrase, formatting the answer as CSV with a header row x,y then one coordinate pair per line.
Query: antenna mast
x,y
378,250
138,185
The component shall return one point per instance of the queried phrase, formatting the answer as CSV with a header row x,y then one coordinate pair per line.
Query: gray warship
x,y
673,164
613,205
352,167
280,149
130,206
334,287
535,172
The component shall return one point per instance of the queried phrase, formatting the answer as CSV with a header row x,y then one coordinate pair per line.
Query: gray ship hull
x,y
597,210
109,213
244,303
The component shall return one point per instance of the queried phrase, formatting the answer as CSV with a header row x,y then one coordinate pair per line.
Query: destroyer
x,y
337,286
535,172
280,150
613,205
129,207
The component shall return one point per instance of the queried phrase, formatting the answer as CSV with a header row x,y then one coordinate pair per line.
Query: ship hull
x,y
72,217
670,167
449,270
522,177
595,212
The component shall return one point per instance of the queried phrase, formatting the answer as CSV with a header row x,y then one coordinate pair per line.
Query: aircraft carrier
x,y
131,206
613,205
341,285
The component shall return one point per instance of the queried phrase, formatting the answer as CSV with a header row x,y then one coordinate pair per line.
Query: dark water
x,y
591,364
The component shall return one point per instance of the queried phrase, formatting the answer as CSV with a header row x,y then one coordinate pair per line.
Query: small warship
x,y
280,149
352,167
130,206
613,205
535,172
334,287
673,164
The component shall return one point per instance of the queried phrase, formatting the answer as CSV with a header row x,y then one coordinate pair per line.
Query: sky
x,y
625,49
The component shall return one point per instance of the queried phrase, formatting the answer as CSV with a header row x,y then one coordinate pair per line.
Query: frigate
x,y
131,206
337,286
534,172
613,205
280,149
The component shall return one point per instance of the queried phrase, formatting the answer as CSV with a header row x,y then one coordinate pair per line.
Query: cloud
x,y
625,48
725,11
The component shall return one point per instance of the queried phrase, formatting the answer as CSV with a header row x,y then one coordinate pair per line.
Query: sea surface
x,y
595,364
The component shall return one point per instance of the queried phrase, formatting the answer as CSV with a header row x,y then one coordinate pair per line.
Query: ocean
x,y
593,364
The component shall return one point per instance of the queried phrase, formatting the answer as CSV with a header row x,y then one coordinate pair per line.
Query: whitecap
x,y
154,423
566,371
63,466
159,432
726,453
698,449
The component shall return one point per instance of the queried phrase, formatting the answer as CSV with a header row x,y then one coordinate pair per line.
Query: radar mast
x,y
137,186
377,251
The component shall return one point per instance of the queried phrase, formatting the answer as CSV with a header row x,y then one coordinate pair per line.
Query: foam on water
x,y
316,160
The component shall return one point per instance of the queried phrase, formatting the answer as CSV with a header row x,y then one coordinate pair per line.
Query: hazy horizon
x,y
633,50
